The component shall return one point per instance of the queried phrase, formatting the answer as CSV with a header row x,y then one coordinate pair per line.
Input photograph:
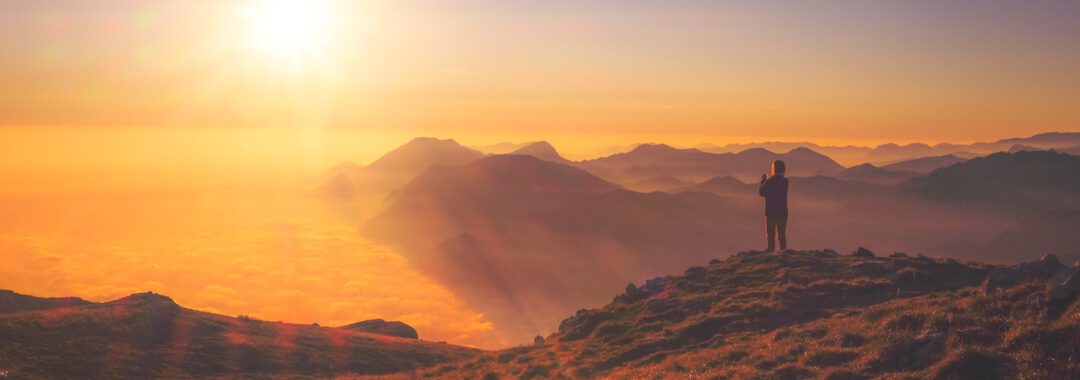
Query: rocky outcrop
x,y
379,326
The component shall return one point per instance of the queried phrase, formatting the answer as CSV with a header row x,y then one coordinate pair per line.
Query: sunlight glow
x,y
291,30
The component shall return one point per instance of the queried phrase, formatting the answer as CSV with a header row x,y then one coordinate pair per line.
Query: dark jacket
x,y
774,190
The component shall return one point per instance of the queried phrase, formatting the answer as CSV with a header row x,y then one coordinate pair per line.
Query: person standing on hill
x,y
774,188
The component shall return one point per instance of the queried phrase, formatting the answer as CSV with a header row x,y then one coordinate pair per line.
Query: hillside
x,y
925,164
525,241
1032,181
149,336
872,174
815,314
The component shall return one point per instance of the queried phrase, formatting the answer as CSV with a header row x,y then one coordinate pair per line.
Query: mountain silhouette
x,y
1024,180
873,174
421,153
925,164
11,302
885,154
148,335
659,183
726,185
653,160
500,148
516,237
543,151
395,168
379,326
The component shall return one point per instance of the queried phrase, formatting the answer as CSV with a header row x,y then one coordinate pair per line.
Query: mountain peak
x,y
383,327
146,297
653,148
423,152
542,150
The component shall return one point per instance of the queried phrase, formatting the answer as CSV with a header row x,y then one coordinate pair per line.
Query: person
x,y
775,188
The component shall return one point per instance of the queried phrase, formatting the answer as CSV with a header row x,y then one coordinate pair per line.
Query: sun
x,y
295,30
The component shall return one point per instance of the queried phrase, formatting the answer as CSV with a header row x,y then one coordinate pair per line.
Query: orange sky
x,y
872,71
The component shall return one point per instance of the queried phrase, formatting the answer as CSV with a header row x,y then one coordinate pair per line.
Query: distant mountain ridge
x,y
924,165
653,160
890,153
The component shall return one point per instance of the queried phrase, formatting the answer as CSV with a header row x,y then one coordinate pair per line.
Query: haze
x,y
175,146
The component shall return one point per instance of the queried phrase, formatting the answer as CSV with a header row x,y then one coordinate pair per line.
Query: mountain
x,y
1029,181
394,169
1046,140
816,314
1022,148
659,183
11,302
379,326
1075,151
893,152
925,164
846,155
148,335
500,148
652,160
525,241
421,153
873,174
726,185
886,154
543,151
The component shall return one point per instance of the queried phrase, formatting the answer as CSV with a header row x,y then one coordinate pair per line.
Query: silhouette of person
x,y
774,188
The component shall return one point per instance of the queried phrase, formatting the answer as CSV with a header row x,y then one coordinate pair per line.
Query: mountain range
x,y
889,153
526,240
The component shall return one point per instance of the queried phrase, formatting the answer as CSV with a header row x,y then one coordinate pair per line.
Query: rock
x,y
930,344
862,252
538,340
379,326
695,272
1046,267
825,253
1064,284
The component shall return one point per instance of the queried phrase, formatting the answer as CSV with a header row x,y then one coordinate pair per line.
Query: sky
x,y
835,71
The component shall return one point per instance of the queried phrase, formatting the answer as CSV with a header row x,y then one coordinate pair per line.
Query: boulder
x,y
862,252
1064,284
379,326
1046,267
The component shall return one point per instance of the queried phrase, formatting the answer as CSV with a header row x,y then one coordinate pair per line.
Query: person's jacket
x,y
775,190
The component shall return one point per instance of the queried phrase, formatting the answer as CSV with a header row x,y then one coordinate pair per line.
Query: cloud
x,y
229,257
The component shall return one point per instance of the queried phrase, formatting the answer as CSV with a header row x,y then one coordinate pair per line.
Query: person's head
x,y
778,167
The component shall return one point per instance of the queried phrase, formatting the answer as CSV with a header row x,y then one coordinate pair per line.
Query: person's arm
x,y
763,188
